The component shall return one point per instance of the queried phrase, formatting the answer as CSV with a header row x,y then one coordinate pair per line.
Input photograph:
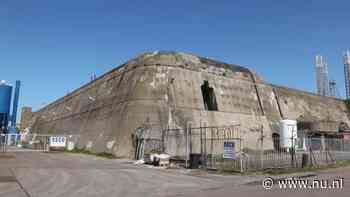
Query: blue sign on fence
x,y
229,150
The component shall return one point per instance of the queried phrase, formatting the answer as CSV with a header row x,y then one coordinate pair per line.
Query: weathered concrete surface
x,y
164,90
257,190
11,189
296,103
75,175
9,186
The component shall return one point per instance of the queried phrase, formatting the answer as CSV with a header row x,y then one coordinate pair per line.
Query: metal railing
x,y
32,142
208,143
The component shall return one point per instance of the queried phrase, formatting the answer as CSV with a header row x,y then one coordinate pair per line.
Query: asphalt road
x,y
38,174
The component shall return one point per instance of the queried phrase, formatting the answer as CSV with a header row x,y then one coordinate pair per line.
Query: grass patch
x,y
87,152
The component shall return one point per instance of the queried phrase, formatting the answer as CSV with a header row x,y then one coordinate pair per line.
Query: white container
x,y
288,133
70,146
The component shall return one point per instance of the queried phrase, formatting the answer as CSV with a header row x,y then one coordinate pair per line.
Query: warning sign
x,y
229,150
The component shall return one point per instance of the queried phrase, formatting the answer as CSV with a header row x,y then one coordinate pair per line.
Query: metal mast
x,y
333,89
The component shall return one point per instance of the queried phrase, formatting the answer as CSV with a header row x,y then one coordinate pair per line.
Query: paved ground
x,y
37,174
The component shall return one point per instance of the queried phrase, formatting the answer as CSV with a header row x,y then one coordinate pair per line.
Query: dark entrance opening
x,y
209,98
276,141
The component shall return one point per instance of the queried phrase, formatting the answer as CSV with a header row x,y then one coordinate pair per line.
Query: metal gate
x,y
208,143
214,150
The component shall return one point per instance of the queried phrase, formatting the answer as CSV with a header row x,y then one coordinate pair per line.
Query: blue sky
x,y
53,46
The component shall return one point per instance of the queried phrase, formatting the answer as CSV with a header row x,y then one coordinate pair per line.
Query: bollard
x,y
305,160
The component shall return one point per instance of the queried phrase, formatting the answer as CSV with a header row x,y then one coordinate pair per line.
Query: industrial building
x,y
322,79
5,107
169,90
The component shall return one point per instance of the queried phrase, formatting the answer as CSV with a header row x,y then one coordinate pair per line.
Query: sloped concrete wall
x,y
296,104
109,110
159,94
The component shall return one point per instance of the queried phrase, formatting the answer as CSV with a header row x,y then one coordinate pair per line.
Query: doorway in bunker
x,y
209,98
276,141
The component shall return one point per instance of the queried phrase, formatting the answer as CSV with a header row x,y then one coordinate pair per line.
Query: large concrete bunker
x,y
173,90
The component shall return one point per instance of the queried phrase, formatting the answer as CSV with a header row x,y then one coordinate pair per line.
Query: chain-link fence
x,y
36,142
205,146
225,148
325,143
296,152
210,147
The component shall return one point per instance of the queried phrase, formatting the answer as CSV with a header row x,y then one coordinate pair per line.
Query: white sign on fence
x,y
229,150
58,141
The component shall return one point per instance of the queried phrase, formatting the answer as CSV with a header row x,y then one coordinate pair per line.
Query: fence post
x,y
292,150
205,147
1,143
242,154
201,139
163,140
186,162
190,140
5,143
202,147
45,143
262,146
48,143
323,143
